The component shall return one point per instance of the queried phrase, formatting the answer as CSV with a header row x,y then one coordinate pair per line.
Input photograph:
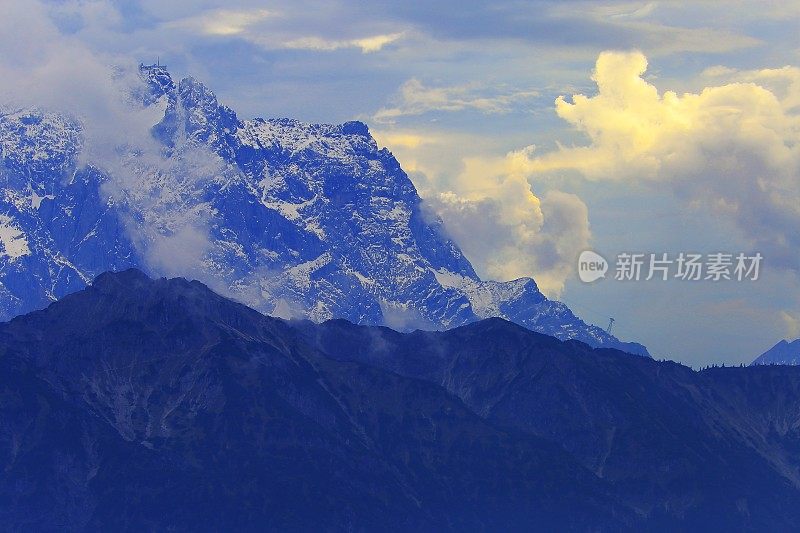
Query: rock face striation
x,y
294,219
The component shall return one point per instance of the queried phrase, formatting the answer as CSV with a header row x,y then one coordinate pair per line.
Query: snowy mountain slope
x,y
294,219
783,353
56,229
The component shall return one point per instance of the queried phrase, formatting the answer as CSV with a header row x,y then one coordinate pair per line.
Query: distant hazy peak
x,y
783,353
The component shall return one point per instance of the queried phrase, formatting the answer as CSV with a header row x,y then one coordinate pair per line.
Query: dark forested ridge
x,y
157,404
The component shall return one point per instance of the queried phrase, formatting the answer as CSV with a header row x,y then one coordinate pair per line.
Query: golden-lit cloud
x,y
783,81
402,139
373,43
489,208
731,148
791,322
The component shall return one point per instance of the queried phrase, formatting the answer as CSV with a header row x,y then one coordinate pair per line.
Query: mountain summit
x,y
294,219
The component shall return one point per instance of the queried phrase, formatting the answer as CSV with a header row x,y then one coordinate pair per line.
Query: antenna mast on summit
x,y
610,323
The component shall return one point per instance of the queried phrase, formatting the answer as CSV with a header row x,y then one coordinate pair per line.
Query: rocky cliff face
x,y
296,220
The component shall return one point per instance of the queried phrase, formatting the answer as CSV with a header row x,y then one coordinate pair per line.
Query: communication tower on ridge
x,y
155,66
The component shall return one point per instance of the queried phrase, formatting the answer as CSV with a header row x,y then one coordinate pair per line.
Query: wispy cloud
x,y
369,44
647,26
160,198
222,22
628,10
414,98
259,26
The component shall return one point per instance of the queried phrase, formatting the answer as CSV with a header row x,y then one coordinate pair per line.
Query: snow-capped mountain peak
x,y
296,219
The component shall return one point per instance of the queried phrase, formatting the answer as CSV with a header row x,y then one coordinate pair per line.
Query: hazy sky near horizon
x,y
536,129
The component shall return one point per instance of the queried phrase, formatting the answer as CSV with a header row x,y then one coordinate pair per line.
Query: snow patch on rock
x,y
13,243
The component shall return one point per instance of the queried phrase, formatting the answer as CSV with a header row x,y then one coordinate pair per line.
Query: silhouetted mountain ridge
x,y
158,404
190,411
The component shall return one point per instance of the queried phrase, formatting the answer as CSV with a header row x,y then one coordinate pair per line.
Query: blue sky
x,y
464,93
